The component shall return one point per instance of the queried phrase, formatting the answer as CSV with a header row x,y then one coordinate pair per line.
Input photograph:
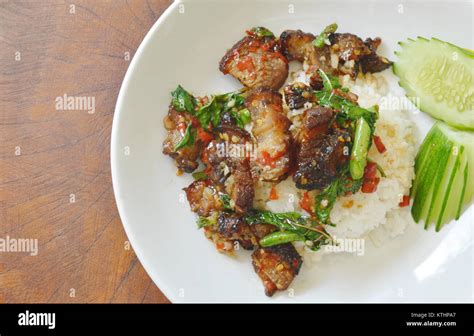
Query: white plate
x,y
184,47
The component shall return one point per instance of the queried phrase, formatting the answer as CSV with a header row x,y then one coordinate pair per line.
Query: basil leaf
x,y
226,201
207,221
200,175
327,198
321,39
329,82
348,109
188,138
325,201
351,110
182,100
241,117
261,32
203,222
228,102
206,114
244,116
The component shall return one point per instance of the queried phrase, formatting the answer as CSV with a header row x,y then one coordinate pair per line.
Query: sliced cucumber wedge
x,y
438,78
444,182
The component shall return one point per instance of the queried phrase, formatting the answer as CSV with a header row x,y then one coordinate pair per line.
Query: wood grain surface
x,y
55,182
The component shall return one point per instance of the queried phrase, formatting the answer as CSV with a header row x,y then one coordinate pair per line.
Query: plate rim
x,y
114,150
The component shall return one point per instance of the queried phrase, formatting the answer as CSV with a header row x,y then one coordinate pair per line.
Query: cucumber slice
x,y
443,185
452,209
466,139
424,187
438,78
463,192
425,151
445,195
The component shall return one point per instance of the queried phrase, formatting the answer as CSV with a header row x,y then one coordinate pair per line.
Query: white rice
x,y
373,216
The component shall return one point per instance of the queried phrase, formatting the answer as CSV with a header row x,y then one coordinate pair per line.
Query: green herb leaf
x,y
321,39
327,198
203,222
242,117
209,114
182,100
188,138
261,32
207,221
303,228
229,102
329,82
226,202
348,110
200,175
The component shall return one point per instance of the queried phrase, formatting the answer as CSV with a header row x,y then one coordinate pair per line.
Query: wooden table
x,y
55,182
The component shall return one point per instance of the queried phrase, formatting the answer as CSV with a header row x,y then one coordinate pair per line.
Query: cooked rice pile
x,y
358,215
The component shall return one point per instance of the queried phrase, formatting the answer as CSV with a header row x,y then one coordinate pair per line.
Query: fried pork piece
x,y
203,197
232,232
350,49
297,95
261,230
271,131
230,146
297,45
222,244
235,228
228,165
348,46
256,61
276,266
355,54
373,62
217,168
345,54
315,125
186,158
322,150
240,185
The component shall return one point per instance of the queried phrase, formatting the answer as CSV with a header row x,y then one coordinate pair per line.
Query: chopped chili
x,y
405,201
267,159
379,144
370,186
246,63
273,194
370,171
305,203
203,135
